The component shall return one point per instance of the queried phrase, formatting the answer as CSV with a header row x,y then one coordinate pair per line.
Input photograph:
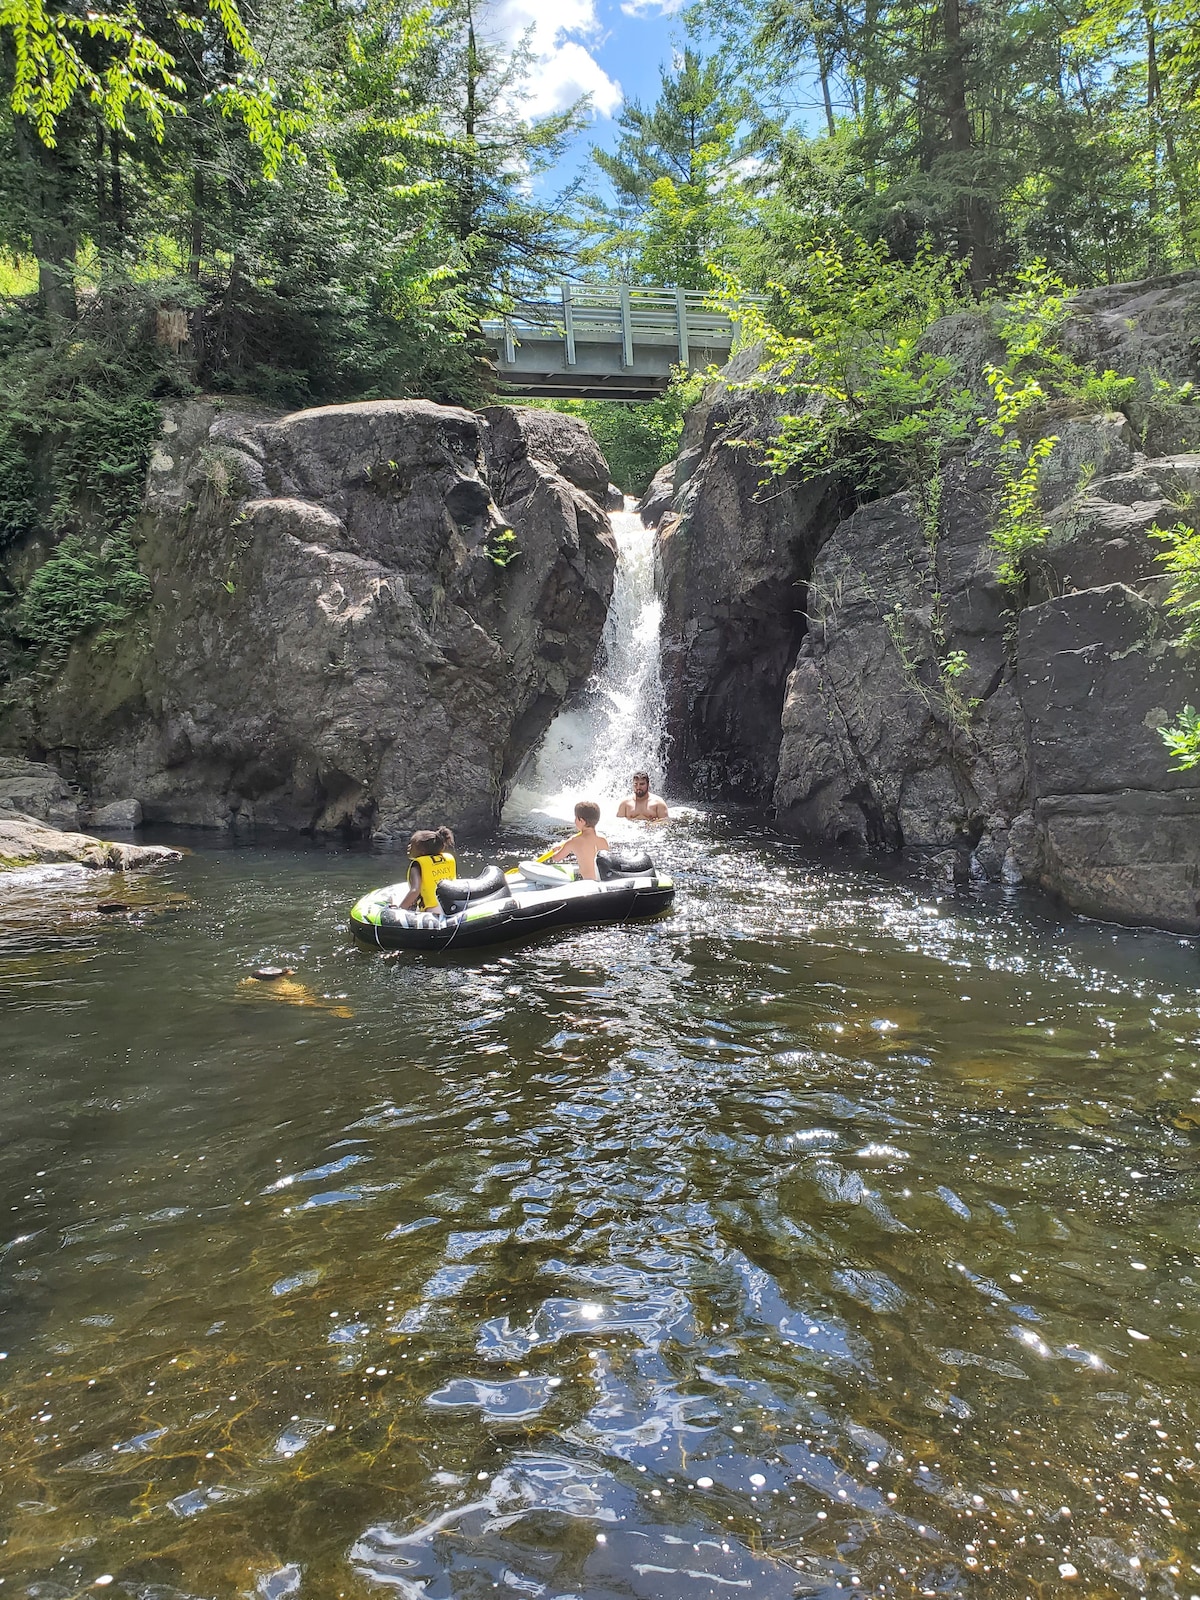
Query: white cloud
x,y
564,68
568,72
652,8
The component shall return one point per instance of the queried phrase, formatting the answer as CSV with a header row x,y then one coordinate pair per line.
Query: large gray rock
x,y
332,643
927,708
880,747
37,790
560,444
1100,535
659,497
1132,855
734,557
1097,677
1044,753
1120,831
1150,330
122,816
25,842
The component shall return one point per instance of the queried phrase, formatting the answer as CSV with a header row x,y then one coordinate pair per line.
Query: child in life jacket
x,y
585,842
429,851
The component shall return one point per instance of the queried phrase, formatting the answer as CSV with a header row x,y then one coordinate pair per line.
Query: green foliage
x,y
880,410
1019,525
18,276
78,426
1181,558
79,590
1182,739
844,340
18,505
501,546
636,440
128,70
1036,373
1057,129
78,422
336,196
675,202
1106,391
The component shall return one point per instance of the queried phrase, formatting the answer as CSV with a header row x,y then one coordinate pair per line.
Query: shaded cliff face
x,y
331,644
1036,757
1041,760
734,560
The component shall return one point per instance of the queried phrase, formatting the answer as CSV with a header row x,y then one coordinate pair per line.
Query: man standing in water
x,y
641,805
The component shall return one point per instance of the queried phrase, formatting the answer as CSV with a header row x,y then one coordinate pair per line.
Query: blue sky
x,y
609,49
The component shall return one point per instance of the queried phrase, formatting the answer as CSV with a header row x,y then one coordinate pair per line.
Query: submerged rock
x,y
26,842
363,616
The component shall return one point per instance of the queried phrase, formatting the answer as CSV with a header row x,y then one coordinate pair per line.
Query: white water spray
x,y
590,751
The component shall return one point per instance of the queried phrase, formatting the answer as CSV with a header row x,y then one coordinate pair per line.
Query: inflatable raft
x,y
533,898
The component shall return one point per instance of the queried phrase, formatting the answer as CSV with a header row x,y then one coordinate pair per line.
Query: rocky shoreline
x,y
39,825
26,842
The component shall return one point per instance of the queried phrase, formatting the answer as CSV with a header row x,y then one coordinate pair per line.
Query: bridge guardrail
x,y
623,314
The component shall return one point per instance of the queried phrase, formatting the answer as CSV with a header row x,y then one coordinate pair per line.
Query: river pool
x,y
835,1234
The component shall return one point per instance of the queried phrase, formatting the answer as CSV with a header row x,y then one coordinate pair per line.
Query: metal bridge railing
x,y
615,314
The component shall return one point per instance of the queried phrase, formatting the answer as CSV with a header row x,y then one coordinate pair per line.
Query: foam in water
x,y
591,749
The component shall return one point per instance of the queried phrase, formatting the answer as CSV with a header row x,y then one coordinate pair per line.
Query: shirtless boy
x,y
641,805
586,841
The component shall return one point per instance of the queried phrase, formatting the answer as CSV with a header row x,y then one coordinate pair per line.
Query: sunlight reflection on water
x,y
830,1232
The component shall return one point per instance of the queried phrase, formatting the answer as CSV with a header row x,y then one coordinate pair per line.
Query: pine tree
x,y
673,179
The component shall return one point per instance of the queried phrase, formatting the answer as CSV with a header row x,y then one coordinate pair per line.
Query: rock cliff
x,y
734,559
363,617
1037,755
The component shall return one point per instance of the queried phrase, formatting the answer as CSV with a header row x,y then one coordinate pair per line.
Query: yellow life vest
x,y
433,870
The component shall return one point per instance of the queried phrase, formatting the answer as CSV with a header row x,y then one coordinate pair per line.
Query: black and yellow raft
x,y
536,897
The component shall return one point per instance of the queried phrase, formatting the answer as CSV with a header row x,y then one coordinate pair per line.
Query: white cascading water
x,y
590,751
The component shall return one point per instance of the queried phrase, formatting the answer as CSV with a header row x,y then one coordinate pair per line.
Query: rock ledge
x,y
26,842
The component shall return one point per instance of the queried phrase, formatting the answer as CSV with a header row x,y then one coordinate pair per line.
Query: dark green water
x,y
825,1237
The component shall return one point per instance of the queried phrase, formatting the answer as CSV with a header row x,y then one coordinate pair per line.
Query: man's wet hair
x,y
587,811
638,775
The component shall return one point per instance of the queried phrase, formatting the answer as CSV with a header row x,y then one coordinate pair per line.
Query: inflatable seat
x,y
456,894
624,864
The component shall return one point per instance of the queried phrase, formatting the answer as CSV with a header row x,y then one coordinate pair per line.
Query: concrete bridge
x,y
606,341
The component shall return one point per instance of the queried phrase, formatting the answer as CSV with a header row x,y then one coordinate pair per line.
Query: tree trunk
x,y
53,226
117,192
974,226
1161,123
466,197
823,74
196,225
102,213
870,114
1152,92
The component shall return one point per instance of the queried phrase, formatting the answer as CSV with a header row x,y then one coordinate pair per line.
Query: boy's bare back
x,y
584,846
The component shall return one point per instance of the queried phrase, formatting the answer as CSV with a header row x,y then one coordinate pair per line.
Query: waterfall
x,y
590,749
